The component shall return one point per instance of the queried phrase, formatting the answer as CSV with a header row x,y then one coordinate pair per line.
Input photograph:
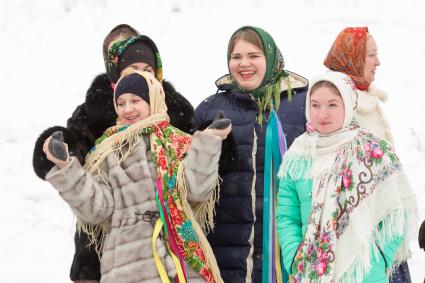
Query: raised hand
x,y
220,122
221,126
56,150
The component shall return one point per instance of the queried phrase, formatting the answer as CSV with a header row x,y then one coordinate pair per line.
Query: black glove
x,y
220,122
57,147
421,236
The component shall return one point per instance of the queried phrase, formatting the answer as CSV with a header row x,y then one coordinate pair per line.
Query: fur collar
x,y
296,81
369,100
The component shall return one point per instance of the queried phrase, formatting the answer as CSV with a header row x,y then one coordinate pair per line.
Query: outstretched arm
x,y
201,163
91,201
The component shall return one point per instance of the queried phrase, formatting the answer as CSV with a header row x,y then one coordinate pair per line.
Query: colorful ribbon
x,y
275,147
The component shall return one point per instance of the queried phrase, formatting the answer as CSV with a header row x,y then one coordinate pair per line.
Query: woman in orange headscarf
x,y
355,53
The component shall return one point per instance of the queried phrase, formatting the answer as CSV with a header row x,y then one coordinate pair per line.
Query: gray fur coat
x,y
127,252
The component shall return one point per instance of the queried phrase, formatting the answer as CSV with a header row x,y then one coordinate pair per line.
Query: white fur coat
x,y
369,113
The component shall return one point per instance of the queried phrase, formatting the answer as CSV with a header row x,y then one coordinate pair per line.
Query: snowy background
x,y
51,50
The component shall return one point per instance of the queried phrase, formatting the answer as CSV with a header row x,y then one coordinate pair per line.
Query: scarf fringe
x,y
304,161
306,166
392,225
119,142
308,159
295,166
95,233
205,213
122,147
268,97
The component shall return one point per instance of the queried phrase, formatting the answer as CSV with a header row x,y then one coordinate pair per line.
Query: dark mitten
x,y
57,147
220,122
229,151
421,236
40,162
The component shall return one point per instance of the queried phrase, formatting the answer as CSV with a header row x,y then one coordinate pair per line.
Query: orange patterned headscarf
x,y
348,55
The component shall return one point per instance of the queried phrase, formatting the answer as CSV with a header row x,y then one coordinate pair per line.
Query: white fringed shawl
x,y
360,197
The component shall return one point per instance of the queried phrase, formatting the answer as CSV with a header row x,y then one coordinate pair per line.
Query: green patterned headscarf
x,y
118,48
267,95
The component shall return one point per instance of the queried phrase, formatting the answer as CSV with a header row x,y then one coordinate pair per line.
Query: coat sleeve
x,y
90,200
288,221
198,118
201,166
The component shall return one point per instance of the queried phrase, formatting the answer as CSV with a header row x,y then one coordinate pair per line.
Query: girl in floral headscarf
x,y
355,53
344,204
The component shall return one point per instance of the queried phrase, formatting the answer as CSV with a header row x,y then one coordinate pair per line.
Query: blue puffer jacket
x,y
237,237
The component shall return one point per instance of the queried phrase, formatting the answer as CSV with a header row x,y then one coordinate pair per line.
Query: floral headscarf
x,y
118,48
267,95
348,55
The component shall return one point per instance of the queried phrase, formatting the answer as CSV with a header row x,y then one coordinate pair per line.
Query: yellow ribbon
x,y
279,276
161,270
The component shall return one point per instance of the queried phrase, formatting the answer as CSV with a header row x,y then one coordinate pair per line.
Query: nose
x,y
322,113
245,61
377,63
128,107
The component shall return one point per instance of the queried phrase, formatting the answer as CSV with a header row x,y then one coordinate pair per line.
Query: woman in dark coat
x,y
266,106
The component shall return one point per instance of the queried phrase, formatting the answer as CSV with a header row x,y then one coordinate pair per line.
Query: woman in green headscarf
x,y
266,105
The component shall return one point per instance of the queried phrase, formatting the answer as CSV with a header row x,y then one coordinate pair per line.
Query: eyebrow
x,y
332,100
249,53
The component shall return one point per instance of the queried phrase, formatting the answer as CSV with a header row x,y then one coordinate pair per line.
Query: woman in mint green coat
x,y
344,205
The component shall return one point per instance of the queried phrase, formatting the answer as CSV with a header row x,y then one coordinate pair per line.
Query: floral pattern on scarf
x,y
354,181
184,236
348,55
267,95
118,48
169,146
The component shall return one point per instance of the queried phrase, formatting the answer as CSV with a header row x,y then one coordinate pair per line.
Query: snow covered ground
x,y
51,50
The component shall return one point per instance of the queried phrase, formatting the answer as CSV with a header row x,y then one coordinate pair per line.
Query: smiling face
x,y
131,108
371,61
326,109
247,65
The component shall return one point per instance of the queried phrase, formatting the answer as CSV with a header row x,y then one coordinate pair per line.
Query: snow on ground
x,y
51,50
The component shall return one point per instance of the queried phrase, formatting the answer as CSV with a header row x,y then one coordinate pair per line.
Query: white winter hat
x,y
346,88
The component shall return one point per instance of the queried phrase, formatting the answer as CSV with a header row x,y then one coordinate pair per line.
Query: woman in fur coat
x,y
345,207
87,123
355,53
136,184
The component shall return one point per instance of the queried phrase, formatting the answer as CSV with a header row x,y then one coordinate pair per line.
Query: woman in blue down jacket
x,y
266,106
